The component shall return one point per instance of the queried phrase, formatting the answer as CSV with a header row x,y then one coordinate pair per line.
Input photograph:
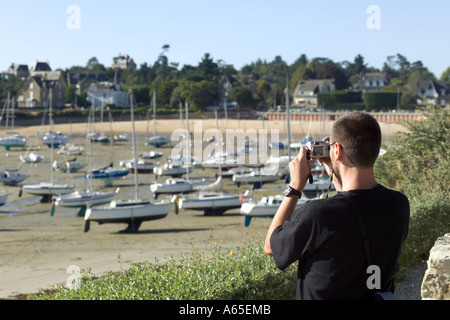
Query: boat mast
x,y
50,121
154,112
136,189
288,119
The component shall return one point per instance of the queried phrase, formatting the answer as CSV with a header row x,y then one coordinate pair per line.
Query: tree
x,y
94,64
262,91
243,96
69,94
331,70
445,75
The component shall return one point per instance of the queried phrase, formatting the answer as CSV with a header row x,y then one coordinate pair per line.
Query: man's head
x,y
359,134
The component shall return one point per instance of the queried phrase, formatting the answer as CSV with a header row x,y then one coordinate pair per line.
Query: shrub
x,y
417,163
246,273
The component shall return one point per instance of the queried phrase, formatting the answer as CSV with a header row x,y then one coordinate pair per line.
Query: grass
x,y
242,274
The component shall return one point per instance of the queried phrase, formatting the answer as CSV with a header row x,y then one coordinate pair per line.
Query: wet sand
x,y
36,249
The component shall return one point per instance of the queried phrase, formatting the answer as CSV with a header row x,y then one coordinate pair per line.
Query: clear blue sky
x,y
236,31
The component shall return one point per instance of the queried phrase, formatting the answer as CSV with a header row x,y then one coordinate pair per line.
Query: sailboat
x,y
12,139
71,165
132,211
31,157
48,189
211,202
71,149
156,140
266,207
11,177
107,173
84,198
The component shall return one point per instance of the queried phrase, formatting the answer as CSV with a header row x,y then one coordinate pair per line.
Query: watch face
x,y
286,191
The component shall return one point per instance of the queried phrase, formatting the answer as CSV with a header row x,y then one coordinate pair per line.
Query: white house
x,y
102,93
372,82
305,93
433,92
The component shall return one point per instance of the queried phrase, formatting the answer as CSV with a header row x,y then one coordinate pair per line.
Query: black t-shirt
x,y
324,236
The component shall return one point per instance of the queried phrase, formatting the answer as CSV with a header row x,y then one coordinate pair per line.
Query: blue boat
x,y
107,173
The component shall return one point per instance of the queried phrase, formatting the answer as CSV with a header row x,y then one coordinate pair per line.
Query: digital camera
x,y
318,149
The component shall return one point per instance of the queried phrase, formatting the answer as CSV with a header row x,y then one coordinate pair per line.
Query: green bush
x,y
381,100
417,163
331,100
244,274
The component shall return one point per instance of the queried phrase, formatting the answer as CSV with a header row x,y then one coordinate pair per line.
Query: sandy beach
x,y
36,249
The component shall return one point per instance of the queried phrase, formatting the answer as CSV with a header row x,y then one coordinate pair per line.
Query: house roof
x,y
76,76
314,85
39,66
46,79
438,86
375,76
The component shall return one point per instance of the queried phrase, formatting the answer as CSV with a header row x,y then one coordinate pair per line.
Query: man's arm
x,y
299,169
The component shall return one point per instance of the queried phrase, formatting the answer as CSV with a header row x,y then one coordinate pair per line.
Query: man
x,y
324,235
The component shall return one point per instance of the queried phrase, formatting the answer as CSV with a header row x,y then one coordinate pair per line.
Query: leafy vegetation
x,y
417,163
246,273
259,84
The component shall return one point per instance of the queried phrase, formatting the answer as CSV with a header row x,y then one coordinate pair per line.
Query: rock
x,y
436,282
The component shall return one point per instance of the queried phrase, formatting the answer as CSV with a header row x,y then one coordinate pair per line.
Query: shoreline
x,y
167,126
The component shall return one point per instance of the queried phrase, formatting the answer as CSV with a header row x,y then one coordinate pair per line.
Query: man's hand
x,y
300,169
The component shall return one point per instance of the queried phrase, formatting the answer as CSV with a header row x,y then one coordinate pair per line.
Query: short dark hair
x,y
360,135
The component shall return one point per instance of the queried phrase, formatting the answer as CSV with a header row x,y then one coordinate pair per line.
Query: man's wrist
x,y
290,192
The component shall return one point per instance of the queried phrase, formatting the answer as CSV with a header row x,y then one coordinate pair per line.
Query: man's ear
x,y
338,152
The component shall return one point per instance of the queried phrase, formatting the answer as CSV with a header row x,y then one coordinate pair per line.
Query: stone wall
x,y
436,281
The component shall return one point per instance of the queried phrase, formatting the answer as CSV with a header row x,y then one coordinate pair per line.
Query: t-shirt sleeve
x,y
291,240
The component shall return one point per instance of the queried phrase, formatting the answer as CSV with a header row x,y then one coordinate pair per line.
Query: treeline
x,y
260,84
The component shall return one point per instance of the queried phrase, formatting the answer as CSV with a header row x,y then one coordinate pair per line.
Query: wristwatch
x,y
289,191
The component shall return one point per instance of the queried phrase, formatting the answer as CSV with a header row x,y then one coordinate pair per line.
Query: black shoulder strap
x,y
362,227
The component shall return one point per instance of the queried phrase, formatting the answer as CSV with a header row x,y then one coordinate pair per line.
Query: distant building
x,y
433,92
372,82
18,70
82,79
102,93
123,61
37,66
36,90
305,93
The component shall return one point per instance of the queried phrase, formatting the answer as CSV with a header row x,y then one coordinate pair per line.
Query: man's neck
x,y
357,179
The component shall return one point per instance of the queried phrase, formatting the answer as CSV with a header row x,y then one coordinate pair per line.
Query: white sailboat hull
x,y
210,200
177,186
81,199
13,141
128,211
254,177
259,208
45,188
172,170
